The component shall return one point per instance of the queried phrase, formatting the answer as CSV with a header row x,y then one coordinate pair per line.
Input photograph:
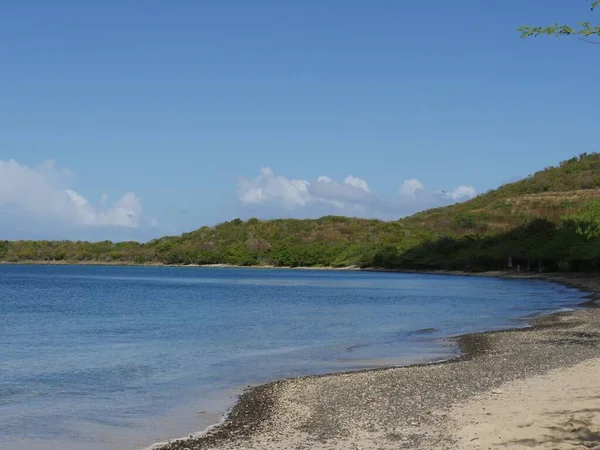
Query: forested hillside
x,y
550,220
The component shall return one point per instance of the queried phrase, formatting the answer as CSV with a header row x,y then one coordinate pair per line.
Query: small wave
x,y
195,435
425,331
356,346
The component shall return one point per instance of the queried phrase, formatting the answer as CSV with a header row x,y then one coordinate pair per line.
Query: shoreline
x,y
262,417
159,264
563,278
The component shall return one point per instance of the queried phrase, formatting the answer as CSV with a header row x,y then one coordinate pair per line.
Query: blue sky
x,y
128,120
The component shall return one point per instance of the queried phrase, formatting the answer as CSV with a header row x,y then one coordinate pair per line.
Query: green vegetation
x,y
549,221
584,30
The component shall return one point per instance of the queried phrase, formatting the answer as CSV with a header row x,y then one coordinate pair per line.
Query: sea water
x,y
121,357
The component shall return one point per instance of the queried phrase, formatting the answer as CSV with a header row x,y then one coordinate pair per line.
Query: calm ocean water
x,y
122,357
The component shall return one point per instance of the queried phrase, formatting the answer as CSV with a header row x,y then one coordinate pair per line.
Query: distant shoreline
x,y
557,277
489,273
158,264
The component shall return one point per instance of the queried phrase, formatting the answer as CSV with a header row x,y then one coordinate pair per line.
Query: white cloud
x,y
353,190
357,183
267,188
410,187
461,193
40,193
127,212
352,196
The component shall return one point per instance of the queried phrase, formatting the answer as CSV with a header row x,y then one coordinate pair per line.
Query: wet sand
x,y
544,375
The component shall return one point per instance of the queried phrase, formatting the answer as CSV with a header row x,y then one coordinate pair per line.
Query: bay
x,y
101,357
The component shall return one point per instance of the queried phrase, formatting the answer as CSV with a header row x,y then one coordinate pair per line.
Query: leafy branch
x,y
585,31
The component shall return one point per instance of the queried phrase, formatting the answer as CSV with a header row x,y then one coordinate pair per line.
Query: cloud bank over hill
x,y
41,203
38,201
274,195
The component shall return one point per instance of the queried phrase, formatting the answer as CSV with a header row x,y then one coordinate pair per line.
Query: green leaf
x,y
584,29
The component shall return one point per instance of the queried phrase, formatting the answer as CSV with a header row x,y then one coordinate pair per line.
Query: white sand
x,y
558,410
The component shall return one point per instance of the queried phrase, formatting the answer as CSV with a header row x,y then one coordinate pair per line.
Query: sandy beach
x,y
516,389
556,410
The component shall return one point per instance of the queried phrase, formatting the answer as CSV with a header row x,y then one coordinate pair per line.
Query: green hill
x,y
549,220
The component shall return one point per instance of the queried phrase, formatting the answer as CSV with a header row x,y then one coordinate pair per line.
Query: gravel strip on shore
x,y
405,407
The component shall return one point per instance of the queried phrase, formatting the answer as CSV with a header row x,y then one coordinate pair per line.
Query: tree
x,y
585,222
584,30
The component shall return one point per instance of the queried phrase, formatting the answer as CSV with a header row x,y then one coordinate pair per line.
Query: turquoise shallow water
x,y
121,357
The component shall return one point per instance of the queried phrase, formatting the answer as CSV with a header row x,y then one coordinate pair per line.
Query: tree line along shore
x,y
549,221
